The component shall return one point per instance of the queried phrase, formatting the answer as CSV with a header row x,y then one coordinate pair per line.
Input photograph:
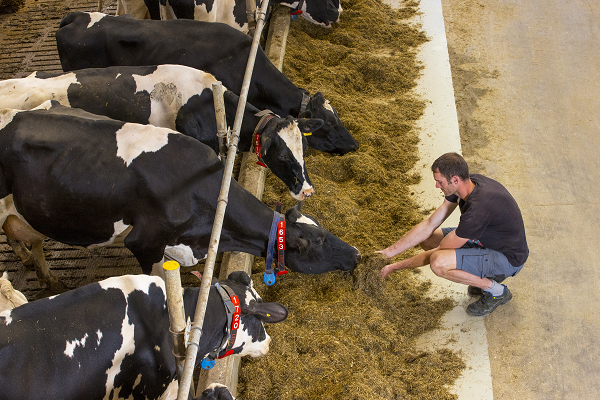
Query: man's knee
x,y
441,261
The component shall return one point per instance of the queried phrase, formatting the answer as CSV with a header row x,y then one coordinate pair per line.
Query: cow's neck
x,y
215,319
247,223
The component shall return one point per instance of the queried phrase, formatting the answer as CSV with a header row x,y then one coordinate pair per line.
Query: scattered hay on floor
x,y
352,335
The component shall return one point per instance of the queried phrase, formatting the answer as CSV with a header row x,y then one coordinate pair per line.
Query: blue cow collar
x,y
276,239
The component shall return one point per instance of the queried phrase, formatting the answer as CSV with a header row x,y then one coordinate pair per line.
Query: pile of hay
x,y
351,335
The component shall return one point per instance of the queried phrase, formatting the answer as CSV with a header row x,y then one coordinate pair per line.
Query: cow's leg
x,y
17,229
21,251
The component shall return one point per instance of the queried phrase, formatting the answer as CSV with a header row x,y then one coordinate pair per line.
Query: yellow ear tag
x,y
308,134
268,315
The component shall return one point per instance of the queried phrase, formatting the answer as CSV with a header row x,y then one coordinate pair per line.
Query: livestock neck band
x,y
232,308
303,104
276,236
298,10
266,115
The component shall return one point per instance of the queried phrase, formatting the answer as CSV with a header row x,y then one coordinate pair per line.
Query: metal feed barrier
x,y
225,372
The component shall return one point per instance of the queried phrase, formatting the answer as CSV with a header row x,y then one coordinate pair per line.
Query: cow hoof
x,y
52,290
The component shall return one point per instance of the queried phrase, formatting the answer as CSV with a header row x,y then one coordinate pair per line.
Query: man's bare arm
x,y
421,231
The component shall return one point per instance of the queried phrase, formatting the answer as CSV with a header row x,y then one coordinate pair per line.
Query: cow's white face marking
x,y
135,139
171,86
292,136
99,335
71,345
305,220
250,348
254,349
95,17
27,93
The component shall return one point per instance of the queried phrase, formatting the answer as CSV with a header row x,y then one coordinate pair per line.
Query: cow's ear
x,y
241,277
265,143
267,312
292,214
294,241
306,114
309,125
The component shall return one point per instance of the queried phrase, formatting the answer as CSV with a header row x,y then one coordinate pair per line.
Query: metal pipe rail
x,y
196,331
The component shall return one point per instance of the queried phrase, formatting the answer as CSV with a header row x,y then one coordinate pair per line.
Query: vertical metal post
x,y
196,332
217,88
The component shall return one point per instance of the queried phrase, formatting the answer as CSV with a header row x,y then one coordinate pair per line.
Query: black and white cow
x,y
111,339
91,40
87,180
232,12
175,97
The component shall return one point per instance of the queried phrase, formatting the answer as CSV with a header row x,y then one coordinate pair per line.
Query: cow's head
x,y
252,339
333,137
320,12
282,149
311,249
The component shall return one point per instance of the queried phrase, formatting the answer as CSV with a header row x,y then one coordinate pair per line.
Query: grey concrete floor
x,y
526,81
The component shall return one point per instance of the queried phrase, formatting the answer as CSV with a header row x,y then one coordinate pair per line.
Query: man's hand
x,y
385,271
385,252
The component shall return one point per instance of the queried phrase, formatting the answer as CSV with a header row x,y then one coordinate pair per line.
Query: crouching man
x,y
488,245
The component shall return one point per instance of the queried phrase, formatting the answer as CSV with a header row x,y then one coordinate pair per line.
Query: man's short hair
x,y
451,164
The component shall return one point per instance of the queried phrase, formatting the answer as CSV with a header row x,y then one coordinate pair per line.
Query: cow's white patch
x,y
250,347
72,345
129,283
99,336
121,230
305,220
221,11
6,116
171,86
292,136
127,348
95,17
6,316
182,254
138,379
328,106
135,139
27,93
170,392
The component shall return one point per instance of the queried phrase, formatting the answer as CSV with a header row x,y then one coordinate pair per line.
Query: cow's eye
x,y
319,241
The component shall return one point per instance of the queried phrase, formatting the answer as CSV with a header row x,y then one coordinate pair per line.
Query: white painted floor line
x,y
439,134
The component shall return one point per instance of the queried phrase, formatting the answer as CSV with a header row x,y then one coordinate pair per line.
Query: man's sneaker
x,y
474,291
488,303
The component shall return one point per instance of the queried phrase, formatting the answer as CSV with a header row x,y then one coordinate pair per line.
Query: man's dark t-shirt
x,y
491,215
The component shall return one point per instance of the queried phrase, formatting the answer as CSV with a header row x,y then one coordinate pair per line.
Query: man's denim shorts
x,y
482,262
